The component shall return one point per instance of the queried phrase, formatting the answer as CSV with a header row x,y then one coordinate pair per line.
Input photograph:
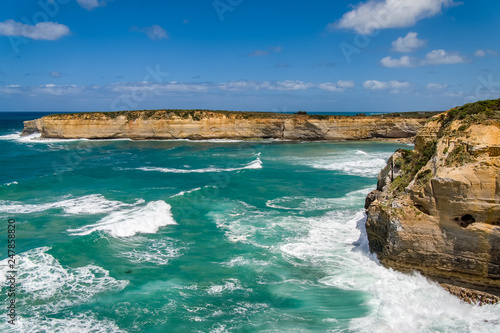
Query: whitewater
x,y
205,236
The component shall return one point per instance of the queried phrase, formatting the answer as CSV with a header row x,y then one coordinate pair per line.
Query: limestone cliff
x,y
200,124
437,208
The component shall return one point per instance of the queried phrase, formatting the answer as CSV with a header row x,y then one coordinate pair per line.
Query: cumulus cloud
x,y
91,4
409,43
373,15
440,57
393,86
436,57
40,31
404,61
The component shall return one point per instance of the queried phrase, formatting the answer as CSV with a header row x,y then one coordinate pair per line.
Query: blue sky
x,y
359,56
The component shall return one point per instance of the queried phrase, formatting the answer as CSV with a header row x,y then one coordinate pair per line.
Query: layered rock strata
x,y
437,208
196,125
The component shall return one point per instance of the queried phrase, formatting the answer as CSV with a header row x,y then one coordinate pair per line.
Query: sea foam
x,y
350,200
46,286
256,164
85,205
399,302
75,323
128,222
154,251
359,163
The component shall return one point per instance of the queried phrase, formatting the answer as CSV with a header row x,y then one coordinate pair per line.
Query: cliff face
x,y
437,208
163,124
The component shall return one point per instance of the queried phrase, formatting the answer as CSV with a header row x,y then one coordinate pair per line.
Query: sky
x,y
248,55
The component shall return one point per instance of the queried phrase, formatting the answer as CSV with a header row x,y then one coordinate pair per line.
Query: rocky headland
x,y
203,124
436,209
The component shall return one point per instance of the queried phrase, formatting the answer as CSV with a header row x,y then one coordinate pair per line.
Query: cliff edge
x,y
437,208
203,124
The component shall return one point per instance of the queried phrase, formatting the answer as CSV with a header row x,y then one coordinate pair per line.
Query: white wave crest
x,y
86,205
256,164
181,193
354,163
128,222
229,285
46,285
350,200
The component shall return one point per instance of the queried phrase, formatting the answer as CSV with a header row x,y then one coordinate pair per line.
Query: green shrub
x,y
411,162
459,156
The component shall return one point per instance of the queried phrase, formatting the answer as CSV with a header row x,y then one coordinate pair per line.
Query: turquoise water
x,y
212,236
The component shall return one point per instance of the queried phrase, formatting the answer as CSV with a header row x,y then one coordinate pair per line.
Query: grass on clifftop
x,y
482,112
412,161
199,114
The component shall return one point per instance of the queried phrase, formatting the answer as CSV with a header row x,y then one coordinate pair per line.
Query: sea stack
x,y
436,209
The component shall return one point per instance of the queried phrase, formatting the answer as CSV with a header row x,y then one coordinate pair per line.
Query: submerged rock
x,y
437,208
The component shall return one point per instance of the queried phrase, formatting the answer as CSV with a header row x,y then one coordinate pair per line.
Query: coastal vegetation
x,y
410,162
199,114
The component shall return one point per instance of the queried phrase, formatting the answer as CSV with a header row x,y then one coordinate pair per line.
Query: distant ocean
x,y
206,236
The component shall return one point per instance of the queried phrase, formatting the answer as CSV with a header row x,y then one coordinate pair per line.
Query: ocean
x,y
203,236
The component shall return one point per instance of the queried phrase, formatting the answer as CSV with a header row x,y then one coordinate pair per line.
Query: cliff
x,y
201,124
437,208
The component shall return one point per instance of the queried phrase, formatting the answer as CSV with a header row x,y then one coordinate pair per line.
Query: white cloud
x,y
484,53
58,90
287,85
158,88
146,88
409,43
339,86
480,53
440,57
155,32
404,61
91,4
436,57
373,15
393,86
55,74
40,31
436,86
345,84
